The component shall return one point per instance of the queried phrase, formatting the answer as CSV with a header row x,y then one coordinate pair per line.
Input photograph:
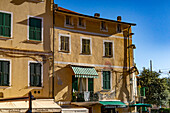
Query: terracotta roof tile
x,y
63,9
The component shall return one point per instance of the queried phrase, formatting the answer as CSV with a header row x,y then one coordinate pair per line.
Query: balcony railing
x,y
84,96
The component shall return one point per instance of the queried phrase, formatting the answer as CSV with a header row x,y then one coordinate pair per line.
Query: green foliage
x,y
155,87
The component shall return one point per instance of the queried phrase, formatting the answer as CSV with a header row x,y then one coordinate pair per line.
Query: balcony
x,y
84,96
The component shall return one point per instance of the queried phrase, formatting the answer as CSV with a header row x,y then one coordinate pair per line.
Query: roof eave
x,y
132,24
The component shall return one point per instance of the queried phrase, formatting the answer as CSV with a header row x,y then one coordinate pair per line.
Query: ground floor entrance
x,y
107,110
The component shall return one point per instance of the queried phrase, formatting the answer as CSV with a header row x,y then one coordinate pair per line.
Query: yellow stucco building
x,y
93,60
25,53
90,59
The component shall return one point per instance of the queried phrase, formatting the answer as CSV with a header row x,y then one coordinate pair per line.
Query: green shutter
x,y
4,73
106,79
38,74
5,24
110,49
90,84
32,74
67,43
142,90
1,23
74,83
35,29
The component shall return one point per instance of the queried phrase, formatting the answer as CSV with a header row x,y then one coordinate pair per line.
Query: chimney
x,y
97,15
119,18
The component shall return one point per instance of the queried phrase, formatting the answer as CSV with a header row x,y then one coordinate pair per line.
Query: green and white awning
x,y
84,72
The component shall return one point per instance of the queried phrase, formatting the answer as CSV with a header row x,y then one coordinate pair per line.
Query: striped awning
x,y
84,72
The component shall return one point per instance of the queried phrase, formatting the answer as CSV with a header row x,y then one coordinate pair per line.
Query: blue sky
x,y
152,33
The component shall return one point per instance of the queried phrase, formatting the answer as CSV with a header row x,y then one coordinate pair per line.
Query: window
x,y
108,49
86,46
106,80
64,43
5,24
35,74
81,23
4,73
103,26
35,29
119,29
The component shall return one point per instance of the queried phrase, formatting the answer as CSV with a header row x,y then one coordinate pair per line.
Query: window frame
x,y
81,44
10,69
101,29
11,13
84,22
42,28
110,80
120,28
29,84
71,25
112,56
66,35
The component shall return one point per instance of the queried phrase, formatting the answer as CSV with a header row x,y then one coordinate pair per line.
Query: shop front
x,y
112,106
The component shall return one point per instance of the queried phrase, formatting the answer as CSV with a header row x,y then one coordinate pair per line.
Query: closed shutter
x,y
74,83
106,49
83,45
90,85
5,24
38,74
35,29
106,79
1,73
32,75
67,43
88,46
110,49
6,73
1,23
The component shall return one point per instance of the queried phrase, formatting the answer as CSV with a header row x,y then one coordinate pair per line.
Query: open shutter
x,y
74,83
32,74
90,85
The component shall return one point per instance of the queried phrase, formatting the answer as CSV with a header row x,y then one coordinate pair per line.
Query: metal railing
x,y
84,96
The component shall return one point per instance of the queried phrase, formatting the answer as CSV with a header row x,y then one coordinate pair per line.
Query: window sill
x,y
62,51
33,41
5,38
69,25
33,87
107,56
5,87
104,30
82,27
85,54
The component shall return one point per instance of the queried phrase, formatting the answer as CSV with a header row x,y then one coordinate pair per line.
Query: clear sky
x,y
152,33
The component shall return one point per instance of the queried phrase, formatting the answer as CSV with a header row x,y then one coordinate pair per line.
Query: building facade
x,y
25,49
93,60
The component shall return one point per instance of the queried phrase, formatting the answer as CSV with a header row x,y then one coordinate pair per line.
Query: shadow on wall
x,y
47,15
63,84
19,2
124,92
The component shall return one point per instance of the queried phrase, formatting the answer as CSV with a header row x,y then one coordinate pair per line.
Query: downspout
x,y
53,50
129,61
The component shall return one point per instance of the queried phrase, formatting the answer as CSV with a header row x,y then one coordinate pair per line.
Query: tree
x,y
155,87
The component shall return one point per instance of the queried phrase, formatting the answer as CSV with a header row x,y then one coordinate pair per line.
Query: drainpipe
x,y
53,49
129,61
